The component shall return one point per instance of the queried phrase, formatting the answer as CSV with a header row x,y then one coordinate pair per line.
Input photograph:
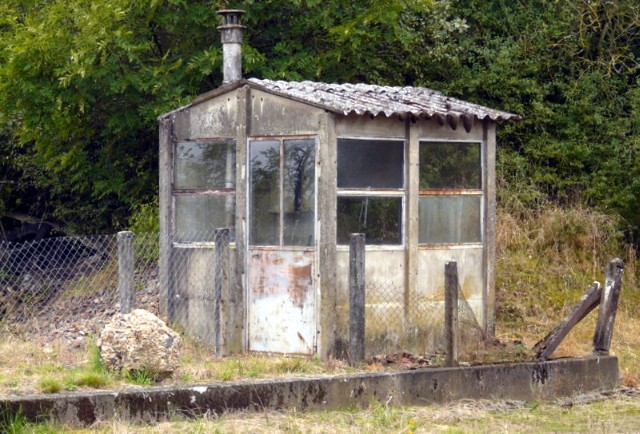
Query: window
x,y
450,208
282,192
370,190
204,189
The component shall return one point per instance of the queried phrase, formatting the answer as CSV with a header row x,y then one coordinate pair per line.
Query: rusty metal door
x,y
281,246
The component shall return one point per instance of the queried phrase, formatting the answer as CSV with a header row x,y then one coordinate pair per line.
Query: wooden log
x,y
587,303
608,307
356,298
451,329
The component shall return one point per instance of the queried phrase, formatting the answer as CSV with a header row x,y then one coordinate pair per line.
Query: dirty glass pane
x,y
379,218
450,219
370,163
198,216
299,192
264,194
202,165
450,165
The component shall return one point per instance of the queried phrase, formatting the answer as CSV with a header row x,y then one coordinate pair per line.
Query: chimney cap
x,y
231,18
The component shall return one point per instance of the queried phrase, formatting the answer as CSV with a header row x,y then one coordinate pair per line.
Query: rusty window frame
x,y
281,139
452,192
195,192
380,192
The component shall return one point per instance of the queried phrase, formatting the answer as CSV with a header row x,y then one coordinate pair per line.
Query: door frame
x,y
248,247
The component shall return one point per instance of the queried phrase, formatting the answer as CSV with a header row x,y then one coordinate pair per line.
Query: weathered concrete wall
x,y
272,115
430,284
411,318
363,126
215,117
326,236
429,129
194,277
385,308
525,381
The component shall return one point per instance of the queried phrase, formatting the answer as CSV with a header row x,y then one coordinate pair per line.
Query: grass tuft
x,y
13,423
50,385
141,377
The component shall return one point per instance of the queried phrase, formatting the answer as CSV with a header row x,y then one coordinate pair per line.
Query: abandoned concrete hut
x,y
292,169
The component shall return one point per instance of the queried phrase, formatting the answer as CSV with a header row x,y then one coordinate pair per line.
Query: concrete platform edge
x,y
518,381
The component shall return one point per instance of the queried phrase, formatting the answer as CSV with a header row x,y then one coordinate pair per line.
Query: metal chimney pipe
x,y
231,34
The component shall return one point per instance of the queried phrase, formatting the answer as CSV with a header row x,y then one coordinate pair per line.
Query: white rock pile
x,y
139,341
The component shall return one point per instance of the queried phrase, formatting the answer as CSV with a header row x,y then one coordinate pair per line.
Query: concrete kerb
x,y
521,381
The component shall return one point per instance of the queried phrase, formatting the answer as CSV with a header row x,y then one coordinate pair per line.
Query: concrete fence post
x,y
451,329
356,298
221,261
608,307
126,271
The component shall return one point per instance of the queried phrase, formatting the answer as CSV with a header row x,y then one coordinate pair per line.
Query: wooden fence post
x,y
451,329
126,271
356,298
608,307
221,261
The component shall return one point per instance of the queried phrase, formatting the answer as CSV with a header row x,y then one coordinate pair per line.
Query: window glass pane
x,y
198,216
205,164
450,165
299,192
379,218
450,219
264,195
370,163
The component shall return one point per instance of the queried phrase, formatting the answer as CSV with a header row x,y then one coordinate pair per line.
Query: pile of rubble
x,y
71,318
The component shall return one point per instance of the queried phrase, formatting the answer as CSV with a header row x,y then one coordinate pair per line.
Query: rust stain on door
x,y
281,302
299,284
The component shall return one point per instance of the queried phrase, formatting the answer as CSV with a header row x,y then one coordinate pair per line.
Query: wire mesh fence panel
x,y
146,253
195,277
56,284
68,288
400,320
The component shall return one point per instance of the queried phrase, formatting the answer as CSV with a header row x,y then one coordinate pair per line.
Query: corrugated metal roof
x,y
375,100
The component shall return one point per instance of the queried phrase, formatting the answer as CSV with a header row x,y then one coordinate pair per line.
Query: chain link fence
x,y
396,321
68,288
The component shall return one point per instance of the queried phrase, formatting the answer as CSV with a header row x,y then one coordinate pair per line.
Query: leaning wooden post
x,y
545,347
608,307
221,239
451,330
356,298
126,271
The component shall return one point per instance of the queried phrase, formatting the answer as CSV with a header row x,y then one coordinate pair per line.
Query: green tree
x,y
81,84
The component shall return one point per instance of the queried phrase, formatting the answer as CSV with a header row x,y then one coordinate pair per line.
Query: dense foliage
x,y
81,85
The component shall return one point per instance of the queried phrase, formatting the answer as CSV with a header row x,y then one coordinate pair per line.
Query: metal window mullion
x,y
372,193
450,192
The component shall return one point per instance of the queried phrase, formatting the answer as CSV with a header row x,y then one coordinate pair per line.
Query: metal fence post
x,y
451,329
356,298
126,271
608,307
221,239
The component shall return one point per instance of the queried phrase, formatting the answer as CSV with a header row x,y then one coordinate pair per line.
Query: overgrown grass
x,y
546,260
